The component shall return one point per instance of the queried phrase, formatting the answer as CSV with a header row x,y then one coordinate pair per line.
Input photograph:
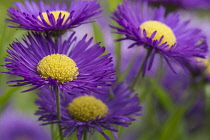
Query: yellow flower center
x,y
56,15
86,108
206,64
162,30
59,67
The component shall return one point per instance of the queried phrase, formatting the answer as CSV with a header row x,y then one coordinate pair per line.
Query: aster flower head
x,y
68,64
167,36
91,113
54,17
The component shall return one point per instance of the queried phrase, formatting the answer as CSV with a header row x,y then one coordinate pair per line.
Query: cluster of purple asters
x,y
72,74
76,78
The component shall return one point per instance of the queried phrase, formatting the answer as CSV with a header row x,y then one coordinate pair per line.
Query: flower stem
x,y
85,135
143,65
59,111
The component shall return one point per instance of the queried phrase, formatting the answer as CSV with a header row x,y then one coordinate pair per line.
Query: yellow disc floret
x,y
56,15
86,108
205,63
162,30
59,67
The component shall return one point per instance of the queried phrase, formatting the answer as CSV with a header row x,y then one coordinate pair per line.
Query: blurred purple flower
x,y
14,126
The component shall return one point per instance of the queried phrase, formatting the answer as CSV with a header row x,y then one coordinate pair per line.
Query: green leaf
x,y
170,128
113,4
98,35
7,95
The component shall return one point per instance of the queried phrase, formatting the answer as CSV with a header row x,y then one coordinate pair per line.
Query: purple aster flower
x,y
82,112
54,17
14,126
68,64
158,34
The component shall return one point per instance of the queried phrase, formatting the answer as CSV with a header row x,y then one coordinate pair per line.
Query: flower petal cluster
x,y
189,42
122,105
94,70
52,17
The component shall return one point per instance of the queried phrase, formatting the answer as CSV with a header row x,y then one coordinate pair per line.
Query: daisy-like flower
x,y
167,36
68,64
54,17
98,112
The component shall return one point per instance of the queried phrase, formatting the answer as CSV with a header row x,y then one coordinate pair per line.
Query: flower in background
x,y
41,61
201,71
158,34
54,17
14,126
81,112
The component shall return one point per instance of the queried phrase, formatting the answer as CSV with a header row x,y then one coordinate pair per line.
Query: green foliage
x,y
7,36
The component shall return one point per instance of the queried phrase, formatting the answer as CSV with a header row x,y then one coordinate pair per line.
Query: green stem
x,y
85,135
140,70
59,111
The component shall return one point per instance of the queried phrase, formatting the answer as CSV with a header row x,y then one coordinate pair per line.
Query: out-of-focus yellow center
x,y
59,67
162,30
86,108
56,15
206,64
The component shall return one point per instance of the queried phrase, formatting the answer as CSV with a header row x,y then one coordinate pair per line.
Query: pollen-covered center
x,y
86,108
162,30
59,67
56,16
